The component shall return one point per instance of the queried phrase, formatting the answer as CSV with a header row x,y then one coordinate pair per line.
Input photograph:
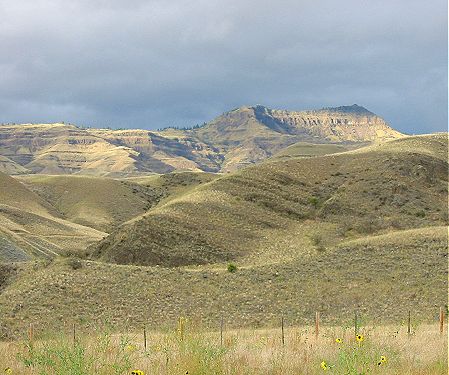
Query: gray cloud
x,y
157,63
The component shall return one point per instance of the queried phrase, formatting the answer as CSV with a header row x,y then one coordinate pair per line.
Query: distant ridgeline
x,y
235,139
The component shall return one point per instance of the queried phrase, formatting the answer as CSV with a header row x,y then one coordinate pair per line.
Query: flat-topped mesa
x,y
354,109
341,124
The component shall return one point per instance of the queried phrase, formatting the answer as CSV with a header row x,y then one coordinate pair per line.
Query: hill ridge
x,y
231,218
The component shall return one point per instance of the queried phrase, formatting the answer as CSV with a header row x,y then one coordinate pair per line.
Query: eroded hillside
x,y
233,140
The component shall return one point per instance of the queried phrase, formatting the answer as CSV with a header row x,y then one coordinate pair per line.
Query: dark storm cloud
x,y
158,63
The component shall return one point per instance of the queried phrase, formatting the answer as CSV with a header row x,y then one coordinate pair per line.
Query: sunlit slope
x,y
30,226
10,167
97,202
105,203
434,145
172,185
304,149
380,276
249,212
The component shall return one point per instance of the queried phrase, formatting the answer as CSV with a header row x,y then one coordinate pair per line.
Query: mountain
x,y
341,124
231,141
271,209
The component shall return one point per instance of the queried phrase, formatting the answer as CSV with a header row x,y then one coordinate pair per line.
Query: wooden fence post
x,y
74,334
181,328
441,320
356,323
409,323
317,324
221,331
282,330
31,333
145,338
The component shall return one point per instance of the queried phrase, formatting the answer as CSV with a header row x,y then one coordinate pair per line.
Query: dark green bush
x,y
232,267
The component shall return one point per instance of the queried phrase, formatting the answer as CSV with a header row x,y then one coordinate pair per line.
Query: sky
x,y
151,64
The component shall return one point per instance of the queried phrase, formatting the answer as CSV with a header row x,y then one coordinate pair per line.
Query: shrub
x,y
314,201
317,241
420,214
232,267
74,263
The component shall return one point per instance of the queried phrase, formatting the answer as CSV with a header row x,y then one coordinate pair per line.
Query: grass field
x,y
189,349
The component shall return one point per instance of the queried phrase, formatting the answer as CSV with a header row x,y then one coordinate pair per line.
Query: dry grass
x,y
97,202
381,276
247,212
304,149
31,226
242,352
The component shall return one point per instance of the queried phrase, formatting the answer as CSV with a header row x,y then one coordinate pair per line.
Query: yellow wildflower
x,y
323,365
359,338
8,370
338,341
137,372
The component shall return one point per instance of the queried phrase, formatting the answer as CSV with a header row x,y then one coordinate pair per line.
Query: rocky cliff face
x,y
233,140
351,123
250,134
341,124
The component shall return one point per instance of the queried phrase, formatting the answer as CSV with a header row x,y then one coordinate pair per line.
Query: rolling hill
x,y
249,214
97,202
31,227
383,277
49,215
236,139
309,230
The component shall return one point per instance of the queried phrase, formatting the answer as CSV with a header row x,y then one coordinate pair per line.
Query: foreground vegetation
x,y
190,350
383,277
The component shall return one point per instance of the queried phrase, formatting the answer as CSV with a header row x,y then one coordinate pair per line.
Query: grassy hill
x,y
30,226
10,167
381,276
97,202
251,212
304,149
364,229
45,215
